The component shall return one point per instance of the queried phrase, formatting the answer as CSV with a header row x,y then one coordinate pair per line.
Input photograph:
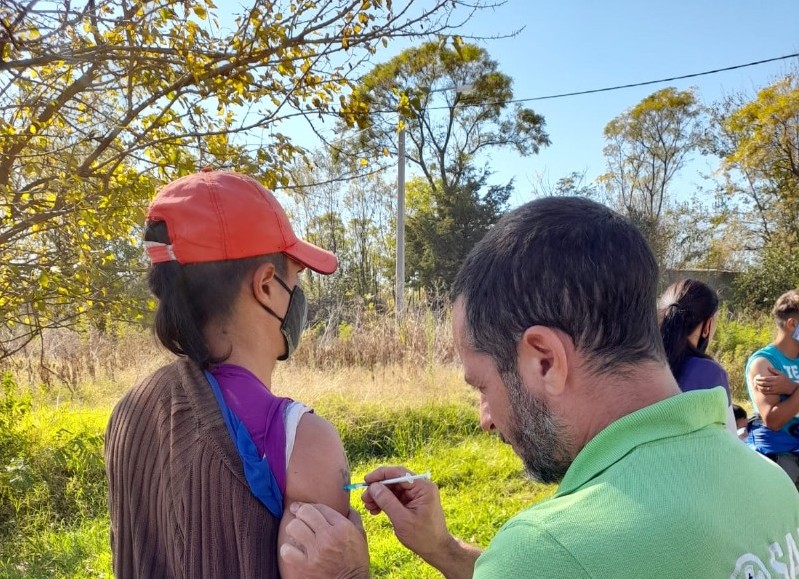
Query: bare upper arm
x,y
763,402
316,473
758,366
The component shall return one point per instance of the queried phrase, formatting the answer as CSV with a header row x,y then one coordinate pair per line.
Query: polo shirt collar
x,y
674,416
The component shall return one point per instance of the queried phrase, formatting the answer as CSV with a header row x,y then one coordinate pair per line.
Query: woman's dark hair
x,y
682,307
190,296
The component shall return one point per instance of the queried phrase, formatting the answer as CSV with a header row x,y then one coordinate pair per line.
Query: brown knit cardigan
x,y
180,505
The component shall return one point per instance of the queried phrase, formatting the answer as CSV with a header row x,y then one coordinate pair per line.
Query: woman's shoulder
x,y
703,364
699,373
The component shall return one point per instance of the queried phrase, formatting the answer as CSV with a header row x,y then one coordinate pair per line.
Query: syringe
x,y
408,478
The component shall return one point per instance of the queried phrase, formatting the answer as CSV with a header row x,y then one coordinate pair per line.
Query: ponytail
x,y
682,307
675,337
176,320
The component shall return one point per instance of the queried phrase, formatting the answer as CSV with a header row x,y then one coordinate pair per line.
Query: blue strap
x,y
257,471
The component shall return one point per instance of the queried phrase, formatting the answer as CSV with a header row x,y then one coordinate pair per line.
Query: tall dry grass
x,y
365,356
357,354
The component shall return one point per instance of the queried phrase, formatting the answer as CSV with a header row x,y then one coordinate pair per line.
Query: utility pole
x,y
399,290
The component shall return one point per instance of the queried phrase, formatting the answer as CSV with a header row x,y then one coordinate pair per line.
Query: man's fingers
x,y
292,555
310,515
773,371
387,502
331,515
385,472
299,533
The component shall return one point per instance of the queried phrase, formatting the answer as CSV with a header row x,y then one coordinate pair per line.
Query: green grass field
x,y
52,497
411,409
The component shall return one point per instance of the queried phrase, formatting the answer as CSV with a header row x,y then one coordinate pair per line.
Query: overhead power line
x,y
330,142
660,80
615,87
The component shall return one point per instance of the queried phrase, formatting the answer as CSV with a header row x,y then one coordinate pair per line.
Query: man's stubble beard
x,y
538,436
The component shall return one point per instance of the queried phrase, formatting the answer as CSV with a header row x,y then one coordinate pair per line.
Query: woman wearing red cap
x,y
201,457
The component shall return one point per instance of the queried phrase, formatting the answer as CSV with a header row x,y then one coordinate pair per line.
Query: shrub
x,y
374,432
737,338
14,441
52,473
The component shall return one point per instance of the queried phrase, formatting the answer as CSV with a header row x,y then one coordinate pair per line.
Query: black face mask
x,y
292,324
703,341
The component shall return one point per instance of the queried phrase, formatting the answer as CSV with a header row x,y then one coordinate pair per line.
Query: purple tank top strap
x,y
261,412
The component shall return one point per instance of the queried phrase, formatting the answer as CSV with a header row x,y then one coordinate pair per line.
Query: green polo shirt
x,y
666,491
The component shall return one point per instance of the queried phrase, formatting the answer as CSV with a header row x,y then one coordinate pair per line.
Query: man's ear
x,y
261,288
543,360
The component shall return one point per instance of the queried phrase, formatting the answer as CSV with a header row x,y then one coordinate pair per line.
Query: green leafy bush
x,y
757,288
15,436
736,339
373,432
52,480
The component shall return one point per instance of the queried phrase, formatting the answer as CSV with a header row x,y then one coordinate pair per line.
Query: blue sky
x,y
578,45
571,46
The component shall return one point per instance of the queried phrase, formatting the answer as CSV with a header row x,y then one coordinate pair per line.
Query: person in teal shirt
x,y
554,320
772,374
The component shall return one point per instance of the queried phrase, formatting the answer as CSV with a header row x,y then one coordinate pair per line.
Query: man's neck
x,y
787,345
614,396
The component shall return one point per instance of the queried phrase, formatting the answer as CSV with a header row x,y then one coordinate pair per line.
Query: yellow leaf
x,y
364,162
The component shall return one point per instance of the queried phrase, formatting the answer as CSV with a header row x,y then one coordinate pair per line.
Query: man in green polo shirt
x,y
554,320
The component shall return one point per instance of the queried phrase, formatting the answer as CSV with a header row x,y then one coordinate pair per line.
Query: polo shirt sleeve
x,y
523,549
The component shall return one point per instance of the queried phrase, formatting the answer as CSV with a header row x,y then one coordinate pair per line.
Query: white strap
x,y
293,413
159,252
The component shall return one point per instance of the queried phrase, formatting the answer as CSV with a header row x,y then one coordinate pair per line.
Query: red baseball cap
x,y
219,216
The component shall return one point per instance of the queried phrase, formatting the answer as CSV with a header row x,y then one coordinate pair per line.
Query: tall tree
x,y
354,218
758,142
443,228
101,100
572,185
646,146
453,103
455,107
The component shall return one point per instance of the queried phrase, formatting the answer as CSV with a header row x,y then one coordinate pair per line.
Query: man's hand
x,y
322,544
417,516
775,383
